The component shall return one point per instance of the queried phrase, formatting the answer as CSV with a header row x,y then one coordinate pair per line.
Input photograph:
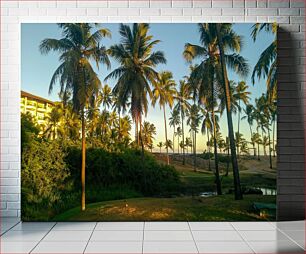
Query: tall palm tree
x,y
182,97
267,64
227,150
227,39
168,144
242,95
75,74
193,120
164,92
256,139
188,143
148,133
207,129
136,71
160,145
174,120
265,143
54,128
249,115
178,134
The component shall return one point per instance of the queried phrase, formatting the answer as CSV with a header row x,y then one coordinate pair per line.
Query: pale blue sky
x,y
37,69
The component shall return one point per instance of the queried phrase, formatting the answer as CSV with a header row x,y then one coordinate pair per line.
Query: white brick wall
x,y
289,13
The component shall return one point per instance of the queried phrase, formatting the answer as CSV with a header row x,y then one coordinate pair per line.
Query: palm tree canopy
x,y
78,48
137,62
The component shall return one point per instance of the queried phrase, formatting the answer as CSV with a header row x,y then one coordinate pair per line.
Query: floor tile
x,y
276,247
216,236
166,226
169,247
296,235
273,235
63,226
17,247
224,247
106,236
211,226
33,226
23,236
120,226
290,225
69,236
253,225
114,247
60,247
167,236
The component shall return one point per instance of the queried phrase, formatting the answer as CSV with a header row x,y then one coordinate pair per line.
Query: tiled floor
x,y
152,237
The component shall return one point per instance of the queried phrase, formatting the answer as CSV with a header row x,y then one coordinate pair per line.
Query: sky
x,y
37,69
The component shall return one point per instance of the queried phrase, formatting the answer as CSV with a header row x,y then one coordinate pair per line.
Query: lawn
x,y
222,208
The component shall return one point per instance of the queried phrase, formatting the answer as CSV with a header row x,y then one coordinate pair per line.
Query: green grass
x,y
217,208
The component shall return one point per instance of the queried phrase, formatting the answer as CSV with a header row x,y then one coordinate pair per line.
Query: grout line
x,y
290,238
143,232
10,228
193,237
90,237
42,238
245,241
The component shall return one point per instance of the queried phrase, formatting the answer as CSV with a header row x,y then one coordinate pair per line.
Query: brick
x,y
57,12
211,12
150,12
76,11
233,11
160,4
181,3
66,4
92,12
288,11
139,4
13,205
250,3
9,213
108,11
18,12
128,11
278,3
192,11
297,3
222,3
172,11
9,197
262,3
238,3
279,20
38,11
202,3
92,4
262,12
297,20
118,4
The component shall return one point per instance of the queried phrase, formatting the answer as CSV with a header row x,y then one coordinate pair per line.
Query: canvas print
x,y
148,122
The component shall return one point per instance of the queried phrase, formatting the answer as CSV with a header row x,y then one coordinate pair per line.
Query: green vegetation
x,y
87,140
221,208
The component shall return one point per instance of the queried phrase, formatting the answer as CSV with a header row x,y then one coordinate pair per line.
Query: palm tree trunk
x,y
83,160
183,136
273,146
270,155
173,137
258,151
140,137
166,135
238,128
208,141
178,144
238,192
195,151
227,162
218,182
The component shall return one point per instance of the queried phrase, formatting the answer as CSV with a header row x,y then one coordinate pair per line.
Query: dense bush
x,y
124,168
51,177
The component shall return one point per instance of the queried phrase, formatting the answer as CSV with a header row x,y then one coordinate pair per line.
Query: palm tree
x,y
54,128
265,143
188,143
227,150
242,95
168,144
183,95
267,64
174,120
257,140
160,145
193,120
249,115
75,73
148,133
164,92
227,39
136,71
178,134
244,148
206,129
